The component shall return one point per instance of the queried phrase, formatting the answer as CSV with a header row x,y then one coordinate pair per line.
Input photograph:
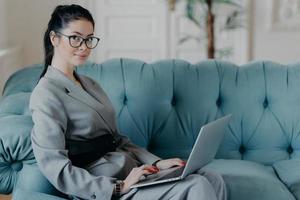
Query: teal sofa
x,y
162,105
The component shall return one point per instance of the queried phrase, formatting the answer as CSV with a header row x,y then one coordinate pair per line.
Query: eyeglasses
x,y
76,41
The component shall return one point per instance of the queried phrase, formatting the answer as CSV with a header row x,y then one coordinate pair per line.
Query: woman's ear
x,y
54,38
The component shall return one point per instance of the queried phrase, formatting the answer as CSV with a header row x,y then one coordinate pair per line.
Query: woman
x,y
75,139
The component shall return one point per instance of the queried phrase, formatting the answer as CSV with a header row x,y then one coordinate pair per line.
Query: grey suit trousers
x,y
200,186
203,185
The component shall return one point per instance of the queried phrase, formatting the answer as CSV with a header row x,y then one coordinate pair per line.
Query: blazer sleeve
x,y
48,143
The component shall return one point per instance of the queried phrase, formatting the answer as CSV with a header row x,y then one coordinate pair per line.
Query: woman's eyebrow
x,y
81,34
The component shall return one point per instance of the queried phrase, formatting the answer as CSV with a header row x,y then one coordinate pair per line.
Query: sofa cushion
x,y
169,100
249,180
288,171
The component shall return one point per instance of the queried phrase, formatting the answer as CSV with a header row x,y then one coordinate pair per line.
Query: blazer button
x,y
93,196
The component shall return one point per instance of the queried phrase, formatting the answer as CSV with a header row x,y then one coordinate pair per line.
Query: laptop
x,y
203,152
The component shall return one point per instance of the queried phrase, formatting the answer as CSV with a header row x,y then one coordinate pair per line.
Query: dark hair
x,y
60,18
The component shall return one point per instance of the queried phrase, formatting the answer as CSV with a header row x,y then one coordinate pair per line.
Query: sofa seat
x,y
248,180
289,173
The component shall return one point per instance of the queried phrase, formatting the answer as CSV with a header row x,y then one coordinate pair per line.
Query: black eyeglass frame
x,y
82,40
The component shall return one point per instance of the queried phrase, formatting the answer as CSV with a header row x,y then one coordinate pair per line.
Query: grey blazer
x,y
61,111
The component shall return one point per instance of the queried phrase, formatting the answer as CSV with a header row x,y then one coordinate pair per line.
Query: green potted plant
x,y
203,14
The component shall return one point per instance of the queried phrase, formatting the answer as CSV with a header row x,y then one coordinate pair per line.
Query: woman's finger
x,y
141,167
146,170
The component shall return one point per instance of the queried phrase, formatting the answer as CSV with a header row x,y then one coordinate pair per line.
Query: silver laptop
x,y
203,152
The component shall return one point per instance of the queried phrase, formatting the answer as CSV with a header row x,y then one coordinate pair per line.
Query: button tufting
x,y
16,166
173,102
93,196
290,149
125,100
242,149
218,102
266,103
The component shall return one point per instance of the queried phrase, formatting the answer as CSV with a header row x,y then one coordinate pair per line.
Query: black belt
x,y
84,152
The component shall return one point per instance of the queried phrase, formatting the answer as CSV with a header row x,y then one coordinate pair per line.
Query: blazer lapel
x,y
87,95
90,88
99,96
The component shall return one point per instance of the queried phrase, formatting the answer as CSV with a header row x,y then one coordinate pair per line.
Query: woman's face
x,y
68,54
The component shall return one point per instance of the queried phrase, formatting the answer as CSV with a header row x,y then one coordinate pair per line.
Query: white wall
x,y
10,56
276,45
132,28
3,23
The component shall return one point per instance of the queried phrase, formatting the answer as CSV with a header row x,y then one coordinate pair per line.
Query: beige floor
x,y
5,197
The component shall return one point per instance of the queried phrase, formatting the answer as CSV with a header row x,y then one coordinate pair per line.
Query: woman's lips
x,y
81,56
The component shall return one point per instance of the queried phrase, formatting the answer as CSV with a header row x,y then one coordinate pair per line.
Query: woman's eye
x,y
76,38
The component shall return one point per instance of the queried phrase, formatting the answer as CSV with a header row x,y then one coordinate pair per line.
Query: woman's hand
x,y
168,163
135,175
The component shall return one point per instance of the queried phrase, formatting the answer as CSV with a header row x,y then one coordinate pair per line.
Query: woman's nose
x,y
83,46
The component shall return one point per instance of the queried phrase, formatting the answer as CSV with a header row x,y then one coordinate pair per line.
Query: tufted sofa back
x,y
162,105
